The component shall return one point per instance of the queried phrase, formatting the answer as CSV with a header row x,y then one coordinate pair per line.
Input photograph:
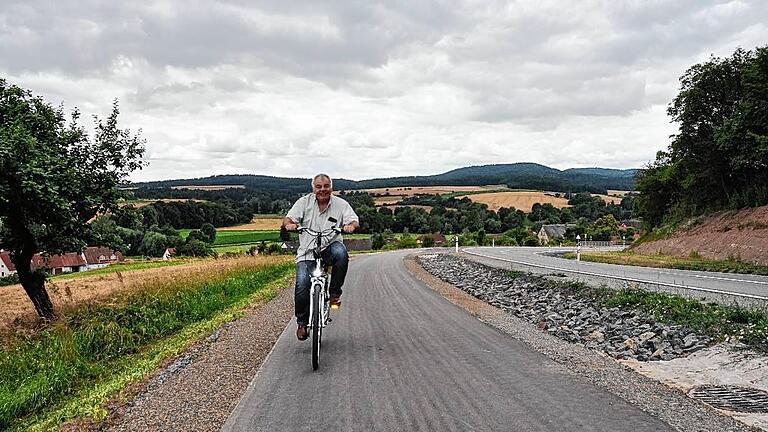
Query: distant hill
x,y
517,175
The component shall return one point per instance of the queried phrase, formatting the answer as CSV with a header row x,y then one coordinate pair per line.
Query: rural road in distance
x,y
692,283
399,357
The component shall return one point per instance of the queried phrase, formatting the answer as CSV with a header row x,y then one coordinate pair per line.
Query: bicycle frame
x,y
320,279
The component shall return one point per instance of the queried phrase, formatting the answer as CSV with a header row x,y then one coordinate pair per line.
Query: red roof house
x,y
7,267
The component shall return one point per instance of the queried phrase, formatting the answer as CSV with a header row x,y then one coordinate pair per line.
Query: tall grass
x,y
88,343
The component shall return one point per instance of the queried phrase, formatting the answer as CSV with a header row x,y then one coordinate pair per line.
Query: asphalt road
x,y
399,357
751,287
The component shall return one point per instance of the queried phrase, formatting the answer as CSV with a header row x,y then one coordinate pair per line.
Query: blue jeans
x,y
336,255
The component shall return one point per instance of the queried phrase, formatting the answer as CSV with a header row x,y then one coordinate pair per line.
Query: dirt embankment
x,y
741,235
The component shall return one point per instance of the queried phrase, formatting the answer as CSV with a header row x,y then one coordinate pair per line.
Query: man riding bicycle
x,y
319,211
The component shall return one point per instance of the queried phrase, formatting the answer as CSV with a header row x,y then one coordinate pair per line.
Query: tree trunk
x,y
34,285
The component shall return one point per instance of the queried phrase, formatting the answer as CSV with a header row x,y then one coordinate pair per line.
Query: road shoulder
x,y
199,390
669,405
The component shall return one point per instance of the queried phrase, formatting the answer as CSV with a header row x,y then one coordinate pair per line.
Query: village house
x,y
6,265
552,232
99,256
70,262
169,252
92,257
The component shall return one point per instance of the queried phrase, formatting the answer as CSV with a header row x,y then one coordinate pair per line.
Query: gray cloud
x,y
287,88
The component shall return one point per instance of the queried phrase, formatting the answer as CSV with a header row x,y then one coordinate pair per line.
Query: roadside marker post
x,y
457,243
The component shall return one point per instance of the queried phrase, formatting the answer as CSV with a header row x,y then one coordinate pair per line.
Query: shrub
x,y
9,280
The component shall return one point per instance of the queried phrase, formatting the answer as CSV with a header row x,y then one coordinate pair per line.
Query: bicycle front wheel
x,y
317,329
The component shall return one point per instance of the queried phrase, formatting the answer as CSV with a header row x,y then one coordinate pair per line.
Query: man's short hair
x,y
312,183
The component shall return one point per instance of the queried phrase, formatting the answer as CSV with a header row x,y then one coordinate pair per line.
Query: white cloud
x,y
374,89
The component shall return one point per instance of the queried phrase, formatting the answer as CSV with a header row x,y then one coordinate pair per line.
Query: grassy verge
x,y
673,262
121,267
720,322
73,367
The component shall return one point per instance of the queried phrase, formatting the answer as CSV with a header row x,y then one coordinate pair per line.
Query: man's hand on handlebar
x,y
349,229
291,227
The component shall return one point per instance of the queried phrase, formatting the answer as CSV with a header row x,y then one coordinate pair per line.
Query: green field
x,y
122,267
225,238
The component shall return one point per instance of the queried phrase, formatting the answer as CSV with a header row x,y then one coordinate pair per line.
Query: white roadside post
x,y
456,240
578,247
493,242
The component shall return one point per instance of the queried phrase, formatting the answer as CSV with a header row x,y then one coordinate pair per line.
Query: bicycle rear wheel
x,y
317,330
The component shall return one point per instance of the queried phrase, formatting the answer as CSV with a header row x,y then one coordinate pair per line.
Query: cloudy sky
x,y
374,89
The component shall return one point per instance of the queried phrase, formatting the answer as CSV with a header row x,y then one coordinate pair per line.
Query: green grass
x,y
72,368
721,322
238,237
691,262
121,267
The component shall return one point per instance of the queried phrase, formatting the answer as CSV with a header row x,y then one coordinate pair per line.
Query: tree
x,y
719,157
196,248
209,232
54,178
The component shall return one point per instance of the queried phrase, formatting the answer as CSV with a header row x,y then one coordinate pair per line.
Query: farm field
x,y
122,267
18,310
258,223
517,199
239,236
383,196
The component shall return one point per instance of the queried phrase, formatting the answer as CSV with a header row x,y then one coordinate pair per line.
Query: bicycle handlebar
x,y
321,233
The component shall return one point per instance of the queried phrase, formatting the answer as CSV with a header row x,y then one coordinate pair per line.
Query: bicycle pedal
x,y
330,319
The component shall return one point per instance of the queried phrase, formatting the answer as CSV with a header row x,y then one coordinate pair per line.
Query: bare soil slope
x,y
740,235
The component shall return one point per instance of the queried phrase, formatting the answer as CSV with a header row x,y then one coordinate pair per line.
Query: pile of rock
x,y
619,332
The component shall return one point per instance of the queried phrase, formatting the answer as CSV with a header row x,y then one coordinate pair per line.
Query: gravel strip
x,y
622,333
198,391
670,406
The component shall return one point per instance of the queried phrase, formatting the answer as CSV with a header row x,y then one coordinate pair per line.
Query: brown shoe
x,y
335,302
301,332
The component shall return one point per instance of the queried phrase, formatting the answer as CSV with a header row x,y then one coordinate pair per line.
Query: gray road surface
x,y
751,287
398,357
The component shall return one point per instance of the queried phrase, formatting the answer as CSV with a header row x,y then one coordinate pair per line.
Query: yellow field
x,y
256,224
519,200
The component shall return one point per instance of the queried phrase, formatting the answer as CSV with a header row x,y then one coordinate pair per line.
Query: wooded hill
x,y
517,176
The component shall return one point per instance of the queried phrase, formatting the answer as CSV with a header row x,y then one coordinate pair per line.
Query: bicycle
x,y
319,304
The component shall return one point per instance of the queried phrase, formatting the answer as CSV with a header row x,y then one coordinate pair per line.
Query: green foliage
x,y
53,176
407,241
195,247
209,232
9,280
719,157
40,370
378,241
